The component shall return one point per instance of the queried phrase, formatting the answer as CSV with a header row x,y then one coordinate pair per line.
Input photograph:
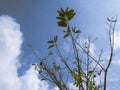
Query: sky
x,y
33,21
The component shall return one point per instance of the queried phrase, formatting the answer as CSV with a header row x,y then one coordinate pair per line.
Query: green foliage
x,y
56,67
52,42
50,53
75,31
65,16
43,79
83,71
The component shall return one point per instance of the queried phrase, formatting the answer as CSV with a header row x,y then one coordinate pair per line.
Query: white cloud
x,y
85,42
10,49
66,46
117,40
10,44
72,87
55,88
116,62
30,81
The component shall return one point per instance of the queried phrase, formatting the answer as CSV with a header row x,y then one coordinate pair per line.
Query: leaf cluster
x,y
83,71
52,42
65,16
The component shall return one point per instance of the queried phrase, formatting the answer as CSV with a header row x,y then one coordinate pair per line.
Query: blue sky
x,y
33,21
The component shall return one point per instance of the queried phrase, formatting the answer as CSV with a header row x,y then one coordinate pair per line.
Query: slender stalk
x,y
111,39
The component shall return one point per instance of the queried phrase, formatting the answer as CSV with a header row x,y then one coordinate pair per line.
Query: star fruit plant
x,y
80,67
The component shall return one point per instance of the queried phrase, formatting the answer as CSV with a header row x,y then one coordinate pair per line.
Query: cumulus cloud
x,y
10,44
70,87
30,81
10,49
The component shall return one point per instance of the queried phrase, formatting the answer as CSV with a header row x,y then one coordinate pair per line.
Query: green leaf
x,y
71,11
66,35
74,83
56,67
40,71
50,53
65,31
62,23
29,45
41,63
33,64
51,41
51,46
82,74
73,75
73,30
55,38
110,20
78,31
44,58
90,72
66,9
43,79
61,18
59,83
95,88
64,85
70,14
61,13
90,86
68,30
62,10
99,73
